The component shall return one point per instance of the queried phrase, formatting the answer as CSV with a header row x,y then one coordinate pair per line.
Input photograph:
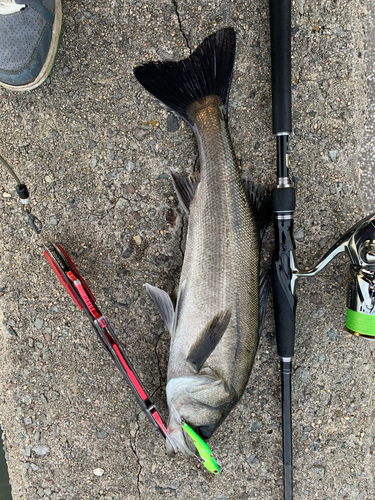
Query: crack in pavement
x,y
134,450
174,2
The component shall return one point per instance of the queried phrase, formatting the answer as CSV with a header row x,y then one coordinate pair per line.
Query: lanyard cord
x,y
10,170
23,193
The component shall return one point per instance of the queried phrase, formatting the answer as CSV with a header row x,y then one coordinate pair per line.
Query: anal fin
x,y
185,187
264,287
260,202
207,340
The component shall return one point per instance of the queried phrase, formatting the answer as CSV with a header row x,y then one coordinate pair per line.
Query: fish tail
x,y
208,71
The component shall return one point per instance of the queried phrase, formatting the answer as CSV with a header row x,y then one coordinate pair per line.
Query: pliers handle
x,y
82,296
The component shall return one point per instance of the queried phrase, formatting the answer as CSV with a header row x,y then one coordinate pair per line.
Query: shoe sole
x,y
51,56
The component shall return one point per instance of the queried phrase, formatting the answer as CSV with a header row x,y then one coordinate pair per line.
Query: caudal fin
x,y
208,71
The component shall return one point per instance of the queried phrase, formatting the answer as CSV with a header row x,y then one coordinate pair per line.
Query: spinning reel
x,y
359,242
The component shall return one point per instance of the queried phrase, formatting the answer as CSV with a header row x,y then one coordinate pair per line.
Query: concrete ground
x,y
367,153
96,150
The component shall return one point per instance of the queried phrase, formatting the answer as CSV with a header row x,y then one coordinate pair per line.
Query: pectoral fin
x,y
208,340
163,303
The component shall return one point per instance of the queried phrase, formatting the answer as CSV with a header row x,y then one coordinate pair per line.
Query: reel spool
x,y
359,242
360,317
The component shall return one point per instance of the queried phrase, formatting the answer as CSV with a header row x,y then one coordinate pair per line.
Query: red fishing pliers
x,y
82,296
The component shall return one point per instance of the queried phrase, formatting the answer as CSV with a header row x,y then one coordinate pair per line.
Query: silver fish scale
x,y
221,263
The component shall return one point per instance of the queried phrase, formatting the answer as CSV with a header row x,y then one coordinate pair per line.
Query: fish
x,y
222,292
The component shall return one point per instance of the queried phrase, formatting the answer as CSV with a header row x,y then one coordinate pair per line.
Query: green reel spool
x,y
360,324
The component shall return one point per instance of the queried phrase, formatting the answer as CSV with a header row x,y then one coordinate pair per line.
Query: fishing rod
x,y
283,206
358,242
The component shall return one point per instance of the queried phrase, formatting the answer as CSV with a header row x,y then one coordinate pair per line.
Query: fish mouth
x,y
181,440
197,401
178,435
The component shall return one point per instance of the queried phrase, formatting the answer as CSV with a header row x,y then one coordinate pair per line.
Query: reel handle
x,y
280,22
357,241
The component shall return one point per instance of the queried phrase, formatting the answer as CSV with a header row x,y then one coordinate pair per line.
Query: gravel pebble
x,y
126,252
38,323
299,234
93,162
304,375
121,203
140,133
252,460
130,166
332,334
333,154
52,221
41,449
320,471
172,123
255,426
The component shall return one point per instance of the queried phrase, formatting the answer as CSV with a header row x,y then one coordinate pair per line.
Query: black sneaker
x,y
29,38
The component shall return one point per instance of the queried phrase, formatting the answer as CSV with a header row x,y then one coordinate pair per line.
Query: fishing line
x,y
361,437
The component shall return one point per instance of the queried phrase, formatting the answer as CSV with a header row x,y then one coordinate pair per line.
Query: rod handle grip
x,y
283,205
281,67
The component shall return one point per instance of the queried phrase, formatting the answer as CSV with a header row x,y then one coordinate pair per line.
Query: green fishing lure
x,y
203,450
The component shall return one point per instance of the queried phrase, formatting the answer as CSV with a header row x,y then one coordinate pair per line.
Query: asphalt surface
x,y
96,150
367,153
